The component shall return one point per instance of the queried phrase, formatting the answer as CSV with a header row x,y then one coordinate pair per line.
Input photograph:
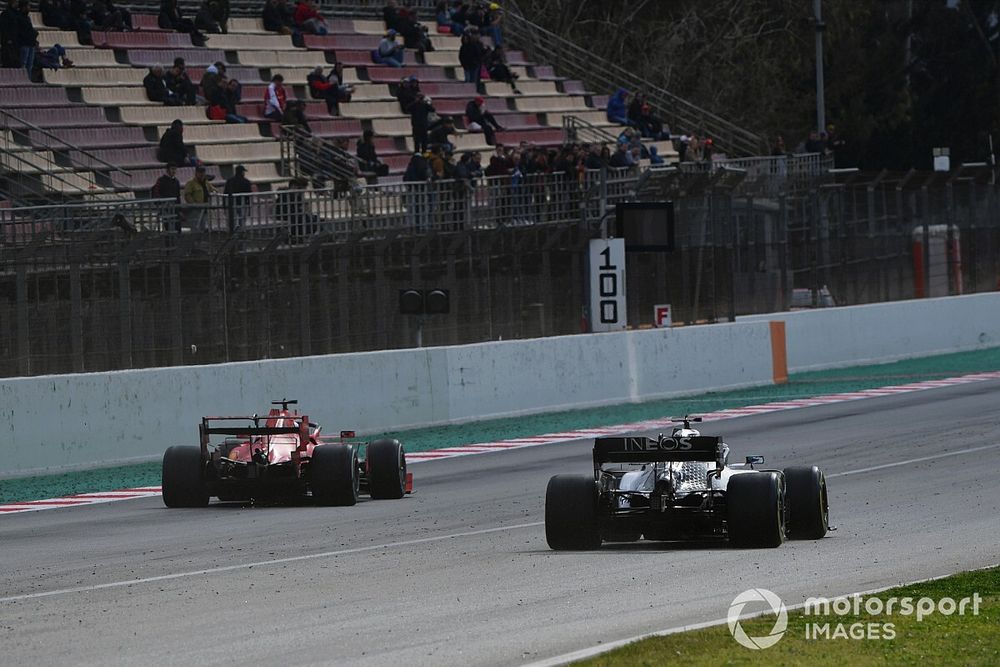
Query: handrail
x,y
564,54
341,165
573,126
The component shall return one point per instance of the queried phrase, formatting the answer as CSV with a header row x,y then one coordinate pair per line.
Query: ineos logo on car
x,y
650,445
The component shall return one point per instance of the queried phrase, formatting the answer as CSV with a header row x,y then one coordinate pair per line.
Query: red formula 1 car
x,y
280,456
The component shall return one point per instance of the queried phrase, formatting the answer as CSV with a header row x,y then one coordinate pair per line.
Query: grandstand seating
x,y
99,105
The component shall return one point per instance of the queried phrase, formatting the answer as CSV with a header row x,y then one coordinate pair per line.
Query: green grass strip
x,y
938,639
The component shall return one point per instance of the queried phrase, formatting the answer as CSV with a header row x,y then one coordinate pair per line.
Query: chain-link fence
x,y
115,286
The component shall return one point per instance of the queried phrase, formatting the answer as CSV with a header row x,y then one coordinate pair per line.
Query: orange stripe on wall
x,y
779,354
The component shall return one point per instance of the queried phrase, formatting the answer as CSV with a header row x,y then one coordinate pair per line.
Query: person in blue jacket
x,y
618,107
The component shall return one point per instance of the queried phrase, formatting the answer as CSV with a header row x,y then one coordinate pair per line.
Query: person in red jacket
x,y
308,19
275,100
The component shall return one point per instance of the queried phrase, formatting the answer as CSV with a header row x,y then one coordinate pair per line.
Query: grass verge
x,y
938,639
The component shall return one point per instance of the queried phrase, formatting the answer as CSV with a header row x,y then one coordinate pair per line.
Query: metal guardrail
x,y
576,129
33,225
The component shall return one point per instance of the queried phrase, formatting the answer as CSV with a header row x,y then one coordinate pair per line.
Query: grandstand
x,y
90,130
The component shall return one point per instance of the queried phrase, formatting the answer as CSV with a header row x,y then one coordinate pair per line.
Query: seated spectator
x,y
654,156
172,149
635,107
212,82
275,99
308,19
180,83
649,125
409,88
486,19
167,186
368,156
156,88
231,97
205,21
440,133
329,88
220,12
295,115
278,17
389,52
445,18
104,15
170,17
481,120
496,65
56,14
413,32
617,107
52,58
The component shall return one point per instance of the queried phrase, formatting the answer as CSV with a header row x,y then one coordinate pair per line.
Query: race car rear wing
x,y
246,431
656,450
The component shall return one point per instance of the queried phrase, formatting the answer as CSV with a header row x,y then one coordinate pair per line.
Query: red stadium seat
x,y
93,137
46,117
337,127
13,76
386,74
34,96
192,57
141,40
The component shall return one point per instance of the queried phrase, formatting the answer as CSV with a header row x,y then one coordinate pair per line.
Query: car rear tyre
x,y
571,513
755,510
386,464
808,506
333,475
183,477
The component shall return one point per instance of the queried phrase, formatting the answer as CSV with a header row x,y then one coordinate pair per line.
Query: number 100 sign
x,y
607,285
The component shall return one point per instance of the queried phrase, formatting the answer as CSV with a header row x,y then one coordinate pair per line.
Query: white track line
x,y
583,654
473,449
262,563
917,460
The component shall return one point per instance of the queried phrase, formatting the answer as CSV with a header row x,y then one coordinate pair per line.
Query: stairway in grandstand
x,y
93,122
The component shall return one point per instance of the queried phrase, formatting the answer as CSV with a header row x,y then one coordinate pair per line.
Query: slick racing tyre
x,y
808,506
571,513
755,510
333,475
386,464
183,478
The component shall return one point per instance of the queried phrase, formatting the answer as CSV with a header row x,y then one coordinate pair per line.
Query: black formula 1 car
x,y
281,456
682,487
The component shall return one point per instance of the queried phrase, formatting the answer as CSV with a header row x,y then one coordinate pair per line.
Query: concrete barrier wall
x,y
74,421
853,335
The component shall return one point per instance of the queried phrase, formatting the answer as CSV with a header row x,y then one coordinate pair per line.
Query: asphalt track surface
x,y
459,573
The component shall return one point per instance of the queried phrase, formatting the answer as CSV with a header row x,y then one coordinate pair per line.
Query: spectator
x,y
500,162
10,55
19,38
649,125
275,100
277,17
106,16
490,23
420,120
416,198
170,18
295,115
291,209
56,14
329,88
683,143
308,19
654,156
172,149
389,52
414,33
368,156
440,133
445,19
205,20
390,15
779,146
212,82
220,12
406,93
814,144
635,107
52,58
231,97
167,186
496,65
196,195
237,184
156,88
180,83
481,120
617,107
470,55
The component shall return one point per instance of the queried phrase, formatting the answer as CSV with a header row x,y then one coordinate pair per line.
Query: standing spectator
x,y
683,143
291,209
389,52
308,19
276,17
499,70
779,146
420,112
180,83
167,186
156,88
196,195
409,88
470,55
620,158
275,100
10,55
368,156
617,107
19,36
492,16
814,144
481,120
500,162
237,184
415,198
172,149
